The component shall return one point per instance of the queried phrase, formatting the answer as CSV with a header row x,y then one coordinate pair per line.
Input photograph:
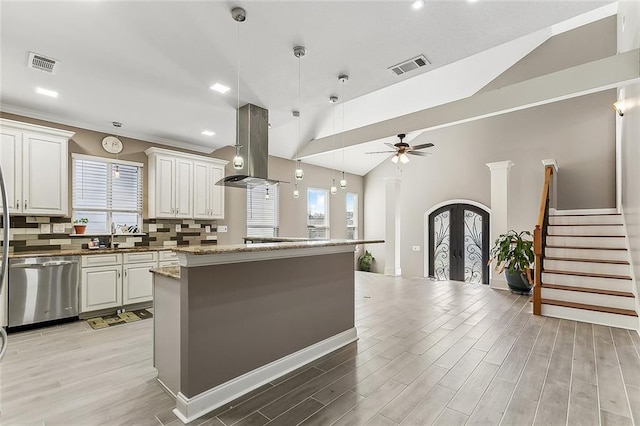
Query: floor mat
x,y
118,319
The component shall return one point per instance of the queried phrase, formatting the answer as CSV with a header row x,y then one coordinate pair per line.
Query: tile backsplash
x,y
41,233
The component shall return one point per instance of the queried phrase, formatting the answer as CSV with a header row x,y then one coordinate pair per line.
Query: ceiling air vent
x,y
42,63
410,65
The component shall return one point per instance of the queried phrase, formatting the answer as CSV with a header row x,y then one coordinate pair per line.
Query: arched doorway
x,y
458,235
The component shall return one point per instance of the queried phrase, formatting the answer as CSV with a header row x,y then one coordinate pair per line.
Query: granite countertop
x,y
168,271
82,252
248,248
279,239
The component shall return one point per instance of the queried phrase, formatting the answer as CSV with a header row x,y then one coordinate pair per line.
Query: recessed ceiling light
x,y
46,92
471,1
417,4
208,133
220,88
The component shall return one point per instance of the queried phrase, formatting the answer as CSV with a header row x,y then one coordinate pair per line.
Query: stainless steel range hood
x,y
253,136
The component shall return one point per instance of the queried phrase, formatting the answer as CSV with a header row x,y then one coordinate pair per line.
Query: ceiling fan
x,y
401,149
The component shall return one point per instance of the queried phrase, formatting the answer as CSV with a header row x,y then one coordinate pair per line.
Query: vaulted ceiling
x,y
149,65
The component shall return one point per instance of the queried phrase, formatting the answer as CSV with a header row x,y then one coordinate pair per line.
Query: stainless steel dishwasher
x,y
43,289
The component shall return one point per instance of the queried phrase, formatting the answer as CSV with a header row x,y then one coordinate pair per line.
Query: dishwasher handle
x,y
43,265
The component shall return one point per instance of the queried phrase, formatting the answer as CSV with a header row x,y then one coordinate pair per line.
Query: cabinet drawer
x,y
146,256
168,255
102,259
168,263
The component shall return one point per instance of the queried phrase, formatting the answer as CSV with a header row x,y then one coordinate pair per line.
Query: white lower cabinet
x,y
101,288
138,283
111,281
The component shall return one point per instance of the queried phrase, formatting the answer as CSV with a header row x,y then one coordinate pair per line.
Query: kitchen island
x,y
235,317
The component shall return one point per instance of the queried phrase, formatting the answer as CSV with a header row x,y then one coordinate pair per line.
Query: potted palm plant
x,y
80,225
513,254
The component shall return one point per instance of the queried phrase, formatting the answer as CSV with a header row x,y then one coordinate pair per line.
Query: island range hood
x,y
253,138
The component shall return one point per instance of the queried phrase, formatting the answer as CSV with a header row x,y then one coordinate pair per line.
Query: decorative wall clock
x,y
112,144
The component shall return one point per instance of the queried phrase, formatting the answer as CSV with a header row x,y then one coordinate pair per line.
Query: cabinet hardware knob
x,y
25,204
118,274
17,204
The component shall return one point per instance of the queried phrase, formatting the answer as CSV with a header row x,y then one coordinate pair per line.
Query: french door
x,y
459,244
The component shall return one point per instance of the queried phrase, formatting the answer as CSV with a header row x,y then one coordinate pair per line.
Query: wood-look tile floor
x,y
444,353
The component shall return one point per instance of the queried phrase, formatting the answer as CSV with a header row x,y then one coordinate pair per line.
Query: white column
x,y
499,223
392,227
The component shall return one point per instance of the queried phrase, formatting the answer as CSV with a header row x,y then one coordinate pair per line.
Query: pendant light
x,y
299,52
266,195
334,189
296,193
239,15
343,79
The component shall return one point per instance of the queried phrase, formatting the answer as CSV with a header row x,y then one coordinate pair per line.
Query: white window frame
x,y
327,208
355,215
259,191
108,211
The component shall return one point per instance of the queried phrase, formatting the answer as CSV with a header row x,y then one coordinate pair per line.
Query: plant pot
x,y
79,229
518,282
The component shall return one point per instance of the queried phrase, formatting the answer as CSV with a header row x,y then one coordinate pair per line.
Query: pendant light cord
x,y
238,92
299,104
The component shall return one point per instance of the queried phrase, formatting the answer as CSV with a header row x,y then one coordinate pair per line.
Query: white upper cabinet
x,y
34,163
208,197
183,185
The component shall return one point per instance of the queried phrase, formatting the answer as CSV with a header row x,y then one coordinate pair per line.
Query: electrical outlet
x,y
45,228
207,229
153,227
178,227
222,228
58,228
416,248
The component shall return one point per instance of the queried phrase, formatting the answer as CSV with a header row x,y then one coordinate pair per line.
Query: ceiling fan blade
x,y
390,145
421,154
381,152
424,145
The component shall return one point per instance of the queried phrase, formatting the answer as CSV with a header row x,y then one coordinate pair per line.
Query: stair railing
x,y
540,238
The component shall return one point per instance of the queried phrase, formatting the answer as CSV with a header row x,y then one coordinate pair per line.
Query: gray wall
x,y
569,49
579,133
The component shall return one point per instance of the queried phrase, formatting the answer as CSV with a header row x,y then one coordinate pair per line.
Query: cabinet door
x,y
165,187
101,288
45,174
138,283
201,209
11,162
184,188
216,193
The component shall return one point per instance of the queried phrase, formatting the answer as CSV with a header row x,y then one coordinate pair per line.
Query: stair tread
x,y
588,290
586,236
588,224
586,248
569,259
584,214
596,308
588,274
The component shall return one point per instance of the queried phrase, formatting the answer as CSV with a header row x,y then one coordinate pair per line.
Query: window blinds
x,y
262,214
106,191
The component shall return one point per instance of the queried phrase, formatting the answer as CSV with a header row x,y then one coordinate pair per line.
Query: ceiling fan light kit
x,y
401,149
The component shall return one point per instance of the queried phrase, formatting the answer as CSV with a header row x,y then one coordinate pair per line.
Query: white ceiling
x,y
149,64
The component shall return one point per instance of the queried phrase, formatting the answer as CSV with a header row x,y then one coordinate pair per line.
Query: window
x,y
262,213
317,213
107,192
352,216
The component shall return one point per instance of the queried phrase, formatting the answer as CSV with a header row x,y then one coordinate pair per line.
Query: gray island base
x,y
233,318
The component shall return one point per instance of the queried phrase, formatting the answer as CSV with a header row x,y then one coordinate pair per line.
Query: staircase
x,y
587,275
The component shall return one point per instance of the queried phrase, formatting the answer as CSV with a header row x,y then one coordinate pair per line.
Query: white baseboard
x,y
188,409
393,272
583,211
